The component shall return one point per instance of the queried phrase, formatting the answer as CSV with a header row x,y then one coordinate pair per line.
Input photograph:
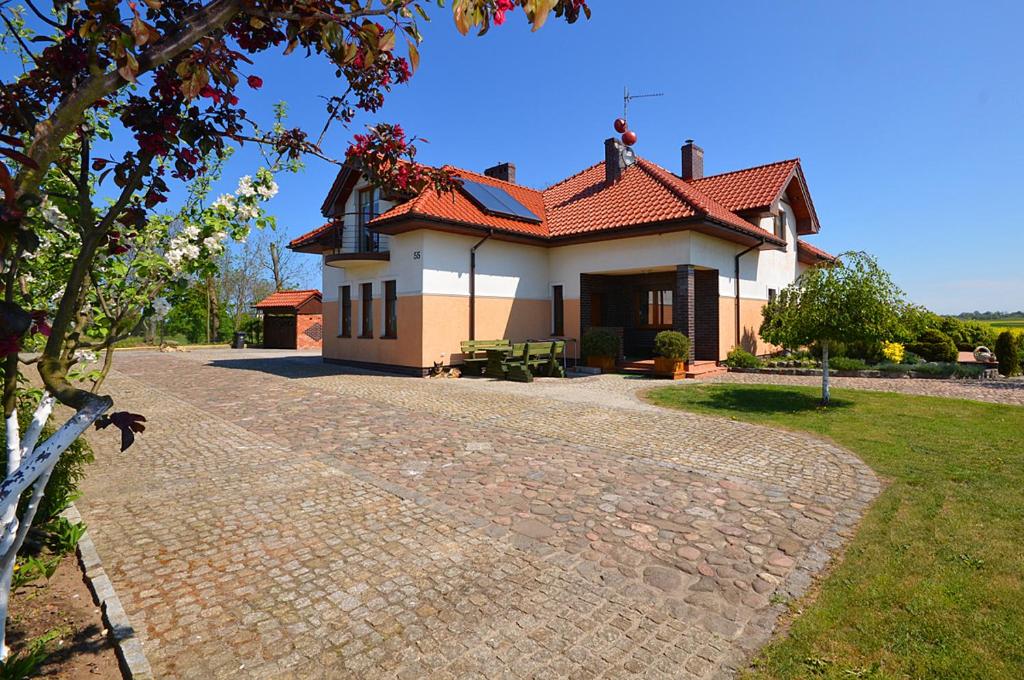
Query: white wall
x,y
509,270
628,254
404,267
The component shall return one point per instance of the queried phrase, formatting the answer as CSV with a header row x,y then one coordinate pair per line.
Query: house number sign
x,y
415,254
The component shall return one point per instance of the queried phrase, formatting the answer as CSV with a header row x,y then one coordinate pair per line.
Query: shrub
x,y
893,352
1008,351
934,345
846,364
598,342
672,345
966,335
741,358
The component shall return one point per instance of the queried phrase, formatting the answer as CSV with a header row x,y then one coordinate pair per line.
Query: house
x,y
292,319
624,244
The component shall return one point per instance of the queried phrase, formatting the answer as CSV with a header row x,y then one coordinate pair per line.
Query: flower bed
x,y
941,372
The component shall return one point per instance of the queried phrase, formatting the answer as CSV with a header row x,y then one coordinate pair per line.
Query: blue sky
x,y
907,117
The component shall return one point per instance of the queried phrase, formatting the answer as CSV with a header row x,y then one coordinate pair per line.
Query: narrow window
x,y
772,294
390,309
780,224
345,311
654,308
557,311
366,301
368,240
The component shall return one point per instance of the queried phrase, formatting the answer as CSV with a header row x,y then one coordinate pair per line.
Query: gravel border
x,y
989,374
130,654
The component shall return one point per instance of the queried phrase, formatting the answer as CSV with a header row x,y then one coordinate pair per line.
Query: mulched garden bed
x,y
64,603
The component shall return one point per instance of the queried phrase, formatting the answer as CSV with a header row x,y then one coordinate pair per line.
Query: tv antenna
x,y
627,97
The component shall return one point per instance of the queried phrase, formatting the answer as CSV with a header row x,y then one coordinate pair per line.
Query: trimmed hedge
x,y
934,345
598,342
1008,352
672,345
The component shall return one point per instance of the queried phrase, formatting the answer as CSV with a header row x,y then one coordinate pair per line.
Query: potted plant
x,y
601,348
673,353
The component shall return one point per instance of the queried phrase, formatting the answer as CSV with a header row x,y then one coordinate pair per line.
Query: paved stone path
x,y
285,519
995,391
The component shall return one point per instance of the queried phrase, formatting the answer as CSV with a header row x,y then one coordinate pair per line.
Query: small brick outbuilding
x,y
292,319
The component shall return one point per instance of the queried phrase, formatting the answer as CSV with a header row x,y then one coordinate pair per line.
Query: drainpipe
x,y
737,279
472,284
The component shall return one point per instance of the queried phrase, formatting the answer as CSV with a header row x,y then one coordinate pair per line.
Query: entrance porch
x,y
638,305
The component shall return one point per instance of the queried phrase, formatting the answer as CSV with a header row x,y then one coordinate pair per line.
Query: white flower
x,y
245,187
190,232
53,215
225,201
173,258
213,244
190,252
267,191
248,212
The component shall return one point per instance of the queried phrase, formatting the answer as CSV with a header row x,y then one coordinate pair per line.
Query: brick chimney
x,y
503,171
617,157
693,161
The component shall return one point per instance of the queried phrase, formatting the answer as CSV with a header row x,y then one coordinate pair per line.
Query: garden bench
x,y
540,358
474,353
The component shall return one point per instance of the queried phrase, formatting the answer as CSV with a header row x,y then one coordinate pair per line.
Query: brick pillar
x,y
705,345
586,287
683,304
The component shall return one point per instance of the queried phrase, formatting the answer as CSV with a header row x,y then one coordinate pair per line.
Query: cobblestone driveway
x,y
282,518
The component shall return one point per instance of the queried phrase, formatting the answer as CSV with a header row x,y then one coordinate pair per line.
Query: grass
x,y
932,585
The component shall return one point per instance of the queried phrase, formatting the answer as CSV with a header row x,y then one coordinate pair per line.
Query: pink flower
x,y
502,6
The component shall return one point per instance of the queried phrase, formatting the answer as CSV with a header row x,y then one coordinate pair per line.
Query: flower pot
x,y
670,368
606,364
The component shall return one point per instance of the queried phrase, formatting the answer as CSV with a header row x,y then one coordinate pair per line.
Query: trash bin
x,y
239,341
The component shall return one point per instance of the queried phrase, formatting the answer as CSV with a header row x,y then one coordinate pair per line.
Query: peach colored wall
x,y
750,324
446,322
403,350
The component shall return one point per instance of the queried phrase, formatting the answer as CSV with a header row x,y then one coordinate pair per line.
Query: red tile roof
x,y
310,236
287,298
456,207
807,252
749,188
586,203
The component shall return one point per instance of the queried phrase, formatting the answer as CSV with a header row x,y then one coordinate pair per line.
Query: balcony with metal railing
x,y
354,243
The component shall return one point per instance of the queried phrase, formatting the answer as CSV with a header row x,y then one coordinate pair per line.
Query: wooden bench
x,y
535,358
474,353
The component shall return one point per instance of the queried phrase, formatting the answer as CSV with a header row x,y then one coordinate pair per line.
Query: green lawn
x,y
931,585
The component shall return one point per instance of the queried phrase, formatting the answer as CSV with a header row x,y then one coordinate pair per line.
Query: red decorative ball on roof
x,y
621,125
629,138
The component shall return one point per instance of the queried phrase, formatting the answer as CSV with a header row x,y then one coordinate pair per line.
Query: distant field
x,y
1016,324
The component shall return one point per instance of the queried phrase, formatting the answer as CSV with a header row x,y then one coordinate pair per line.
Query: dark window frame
x,y
390,309
366,310
643,307
557,310
345,311
366,210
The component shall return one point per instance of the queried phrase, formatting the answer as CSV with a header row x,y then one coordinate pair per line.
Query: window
x,y
367,210
772,294
655,308
366,303
780,223
345,311
390,309
557,311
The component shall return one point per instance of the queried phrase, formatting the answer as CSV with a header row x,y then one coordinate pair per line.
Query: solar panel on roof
x,y
497,201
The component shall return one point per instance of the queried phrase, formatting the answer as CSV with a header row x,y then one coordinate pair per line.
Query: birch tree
x,y
849,300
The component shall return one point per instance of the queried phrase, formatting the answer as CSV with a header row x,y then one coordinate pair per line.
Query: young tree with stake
x,y
849,300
